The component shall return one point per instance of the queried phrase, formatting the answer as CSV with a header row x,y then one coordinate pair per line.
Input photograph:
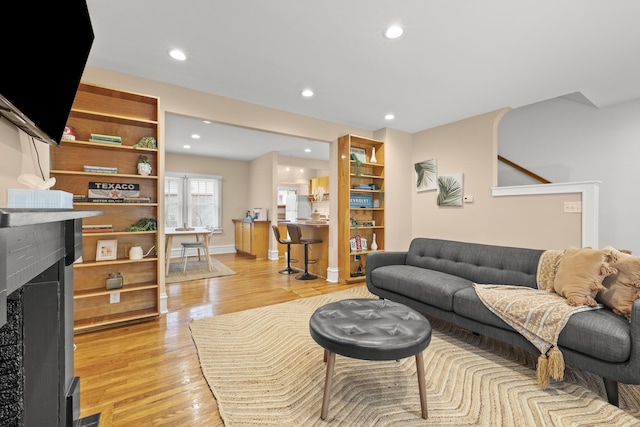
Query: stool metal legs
x,y
306,275
288,270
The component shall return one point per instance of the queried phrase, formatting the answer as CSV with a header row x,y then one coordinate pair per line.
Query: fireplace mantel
x,y
37,251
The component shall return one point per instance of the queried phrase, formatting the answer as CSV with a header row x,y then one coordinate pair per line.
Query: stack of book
x,y
108,139
141,199
361,187
100,169
97,228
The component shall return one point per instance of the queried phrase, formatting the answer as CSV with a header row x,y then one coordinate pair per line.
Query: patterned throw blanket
x,y
537,314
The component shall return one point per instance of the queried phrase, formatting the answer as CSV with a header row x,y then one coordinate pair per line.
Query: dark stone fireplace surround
x,y
37,382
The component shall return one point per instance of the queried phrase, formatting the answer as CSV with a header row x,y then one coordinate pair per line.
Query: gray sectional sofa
x,y
436,278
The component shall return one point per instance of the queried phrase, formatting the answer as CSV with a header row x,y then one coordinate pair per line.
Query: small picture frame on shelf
x,y
358,154
106,250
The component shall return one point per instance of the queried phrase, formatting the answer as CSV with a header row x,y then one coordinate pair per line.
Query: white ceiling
x,y
456,59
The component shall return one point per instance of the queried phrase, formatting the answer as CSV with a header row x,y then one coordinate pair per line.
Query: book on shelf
x,y
79,198
137,199
105,142
96,137
97,228
100,169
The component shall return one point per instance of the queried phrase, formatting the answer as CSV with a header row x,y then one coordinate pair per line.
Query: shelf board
x,y
113,262
117,117
363,175
352,253
89,144
113,204
117,233
119,175
89,293
102,322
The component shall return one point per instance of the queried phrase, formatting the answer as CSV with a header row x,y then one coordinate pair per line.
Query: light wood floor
x,y
148,374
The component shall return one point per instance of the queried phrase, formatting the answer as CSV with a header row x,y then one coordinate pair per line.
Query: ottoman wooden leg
x,y
331,361
421,385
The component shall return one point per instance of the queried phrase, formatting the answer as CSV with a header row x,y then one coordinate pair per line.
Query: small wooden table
x,y
169,232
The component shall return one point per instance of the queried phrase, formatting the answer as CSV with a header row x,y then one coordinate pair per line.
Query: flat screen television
x,y
45,47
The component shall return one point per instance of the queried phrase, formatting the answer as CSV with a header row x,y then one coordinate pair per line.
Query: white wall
x,y
19,155
470,147
566,141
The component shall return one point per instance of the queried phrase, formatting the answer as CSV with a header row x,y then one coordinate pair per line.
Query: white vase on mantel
x,y
374,244
373,155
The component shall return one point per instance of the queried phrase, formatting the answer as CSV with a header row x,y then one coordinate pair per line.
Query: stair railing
x,y
523,170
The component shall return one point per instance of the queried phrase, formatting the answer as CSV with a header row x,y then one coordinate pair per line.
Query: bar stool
x,y
288,270
296,239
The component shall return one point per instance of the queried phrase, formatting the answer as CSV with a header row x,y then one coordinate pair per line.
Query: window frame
x,y
185,202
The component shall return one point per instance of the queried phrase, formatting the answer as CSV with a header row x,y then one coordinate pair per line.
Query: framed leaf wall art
x,y
450,190
426,174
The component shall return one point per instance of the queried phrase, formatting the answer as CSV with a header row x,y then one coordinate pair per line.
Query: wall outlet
x,y
573,207
356,257
114,298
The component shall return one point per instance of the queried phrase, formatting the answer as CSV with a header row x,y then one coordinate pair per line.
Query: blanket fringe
x,y
550,365
543,371
556,364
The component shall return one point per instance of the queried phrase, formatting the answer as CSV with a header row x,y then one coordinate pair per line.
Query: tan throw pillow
x,y
580,273
623,287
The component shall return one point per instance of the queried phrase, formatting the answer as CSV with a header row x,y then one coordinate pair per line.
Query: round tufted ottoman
x,y
370,329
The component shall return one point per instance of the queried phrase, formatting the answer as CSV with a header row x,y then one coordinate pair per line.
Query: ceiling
x,y
456,59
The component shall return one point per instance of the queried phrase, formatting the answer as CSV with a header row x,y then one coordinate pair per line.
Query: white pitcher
x,y
135,252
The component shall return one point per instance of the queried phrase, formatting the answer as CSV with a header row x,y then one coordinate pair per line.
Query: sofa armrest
x,y
634,331
380,259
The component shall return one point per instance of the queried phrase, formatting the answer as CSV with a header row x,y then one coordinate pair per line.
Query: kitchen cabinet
x,y
315,184
252,237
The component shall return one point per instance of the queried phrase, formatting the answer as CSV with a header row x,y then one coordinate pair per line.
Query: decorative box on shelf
x,y
360,200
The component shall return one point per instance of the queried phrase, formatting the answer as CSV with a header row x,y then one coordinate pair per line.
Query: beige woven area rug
x,y
264,369
196,270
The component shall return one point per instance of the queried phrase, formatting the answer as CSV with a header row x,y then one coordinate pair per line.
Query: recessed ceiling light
x,y
186,146
389,116
178,54
393,32
287,168
301,170
206,121
307,93
195,136
307,150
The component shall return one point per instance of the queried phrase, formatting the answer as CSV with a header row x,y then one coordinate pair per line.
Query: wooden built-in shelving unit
x,y
131,116
352,176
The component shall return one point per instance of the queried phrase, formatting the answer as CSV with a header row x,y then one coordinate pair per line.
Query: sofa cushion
x,y
476,262
598,333
466,303
427,286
